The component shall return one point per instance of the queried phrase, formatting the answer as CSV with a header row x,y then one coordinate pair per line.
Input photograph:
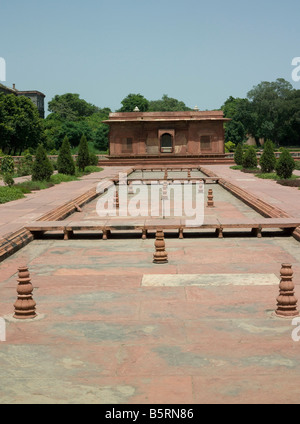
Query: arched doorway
x,y
166,143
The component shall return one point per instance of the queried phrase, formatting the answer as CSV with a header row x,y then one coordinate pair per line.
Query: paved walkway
x,y
282,197
14,215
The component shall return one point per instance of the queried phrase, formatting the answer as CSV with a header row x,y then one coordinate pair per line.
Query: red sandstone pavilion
x,y
166,134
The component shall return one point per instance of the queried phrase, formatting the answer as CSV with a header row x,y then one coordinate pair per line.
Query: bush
x,y
83,158
8,169
250,158
62,178
25,165
65,162
93,159
268,160
7,194
42,168
7,165
91,168
229,146
285,165
238,155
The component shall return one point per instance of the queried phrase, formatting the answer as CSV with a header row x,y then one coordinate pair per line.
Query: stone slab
x,y
170,280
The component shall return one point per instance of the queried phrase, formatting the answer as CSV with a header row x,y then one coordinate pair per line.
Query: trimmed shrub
x,y
238,154
285,165
93,159
83,158
250,158
65,162
8,169
268,160
42,168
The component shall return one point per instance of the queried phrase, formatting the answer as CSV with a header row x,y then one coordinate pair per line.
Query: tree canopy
x,y
167,104
271,111
20,124
132,101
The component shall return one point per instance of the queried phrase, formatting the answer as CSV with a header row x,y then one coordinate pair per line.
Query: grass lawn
x,y
8,194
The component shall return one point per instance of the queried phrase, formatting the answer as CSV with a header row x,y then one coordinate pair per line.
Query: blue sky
x,y
196,51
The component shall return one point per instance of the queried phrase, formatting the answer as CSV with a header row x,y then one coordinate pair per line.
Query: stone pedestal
x,y
286,301
24,305
160,256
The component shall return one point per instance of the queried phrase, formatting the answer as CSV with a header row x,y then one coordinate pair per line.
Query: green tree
x,y
285,165
65,162
238,154
101,137
167,104
250,158
42,168
268,160
132,101
83,158
20,124
70,107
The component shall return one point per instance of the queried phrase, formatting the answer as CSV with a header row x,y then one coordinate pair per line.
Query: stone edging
x,y
257,204
13,242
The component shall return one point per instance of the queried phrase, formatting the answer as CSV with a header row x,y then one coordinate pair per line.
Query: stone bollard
x,y
210,199
201,187
130,189
189,173
166,174
24,305
165,192
286,301
160,256
116,199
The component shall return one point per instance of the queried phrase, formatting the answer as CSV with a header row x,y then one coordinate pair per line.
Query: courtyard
x,y
115,328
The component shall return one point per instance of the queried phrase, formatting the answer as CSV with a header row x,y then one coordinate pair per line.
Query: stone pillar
x,y
160,256
24,305
286,301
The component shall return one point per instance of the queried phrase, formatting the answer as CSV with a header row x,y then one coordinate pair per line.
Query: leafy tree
x,y
101,137
167,104
42,168
20,124
238,154
250,158
83,158
65,162
268,160
235,132
70,107
285,165
134,100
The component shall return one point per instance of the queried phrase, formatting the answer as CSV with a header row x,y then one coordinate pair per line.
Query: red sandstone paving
x,y
285,198
16,214
106,339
